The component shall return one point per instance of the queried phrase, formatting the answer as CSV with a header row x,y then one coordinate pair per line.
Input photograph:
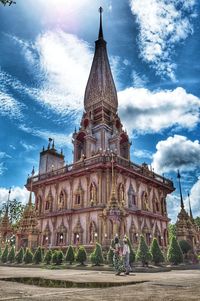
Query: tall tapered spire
x,y
100,90
181,196
100,26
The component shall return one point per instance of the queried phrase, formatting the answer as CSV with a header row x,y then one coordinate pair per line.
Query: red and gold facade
x,y
102,193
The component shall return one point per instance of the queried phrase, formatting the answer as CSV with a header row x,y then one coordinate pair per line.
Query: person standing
x,y
126,256
117,260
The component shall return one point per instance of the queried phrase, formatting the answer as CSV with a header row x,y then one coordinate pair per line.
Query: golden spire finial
x,y
100,27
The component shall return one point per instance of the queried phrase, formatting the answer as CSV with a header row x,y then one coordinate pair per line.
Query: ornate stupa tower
x,y
101,128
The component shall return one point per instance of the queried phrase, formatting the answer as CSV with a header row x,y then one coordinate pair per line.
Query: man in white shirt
x,y
126,255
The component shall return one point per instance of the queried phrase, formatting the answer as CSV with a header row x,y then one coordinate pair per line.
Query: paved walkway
x,y
166,286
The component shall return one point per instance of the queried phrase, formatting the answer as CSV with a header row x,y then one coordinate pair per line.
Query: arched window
x,y
61,201
80,146
131,197
145,201
49,201
121,194
92,231
93,194
47,205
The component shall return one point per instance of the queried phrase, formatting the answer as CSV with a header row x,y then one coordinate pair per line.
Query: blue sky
x,y
46,50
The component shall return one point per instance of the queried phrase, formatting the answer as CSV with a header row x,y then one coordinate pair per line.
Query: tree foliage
x,y
15,210
197,221
48,257
185,246
5,2
96,256
19,256
174,253
38,256
132,253
81,255
28,257
143,254
111,253
70,256
157,255
172,230
4,256
11,255
57,257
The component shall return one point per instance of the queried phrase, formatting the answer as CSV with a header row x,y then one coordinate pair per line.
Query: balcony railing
x,y
102,158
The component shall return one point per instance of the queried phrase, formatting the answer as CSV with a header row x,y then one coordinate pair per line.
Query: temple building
x,y
102,193
186,228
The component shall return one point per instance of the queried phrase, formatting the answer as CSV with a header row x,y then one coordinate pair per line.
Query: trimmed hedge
x,y
70,255
19,256
96,256
157,255
4,256
38,256
11,255
143,254
174,254
81,255
28,257
48,257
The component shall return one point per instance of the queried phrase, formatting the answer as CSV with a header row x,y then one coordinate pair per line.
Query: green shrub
x,y
19,256
60,257
28,257
174,253
185,246
143,254
96,256
38,256
11,255
57,257
132,253
54,257
81,255
48,257
157,255
111,253
70,256
4,256
0,253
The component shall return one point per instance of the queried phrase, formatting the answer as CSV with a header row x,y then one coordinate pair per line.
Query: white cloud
x,y
9,107
143,153
177,152
195,198
2,168
162,24
4,155
18,193
27,147
173,206
61,140
144,111
64,62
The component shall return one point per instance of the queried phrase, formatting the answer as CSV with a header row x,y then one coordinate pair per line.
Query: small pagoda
x,y
6,229
27,231
185,227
